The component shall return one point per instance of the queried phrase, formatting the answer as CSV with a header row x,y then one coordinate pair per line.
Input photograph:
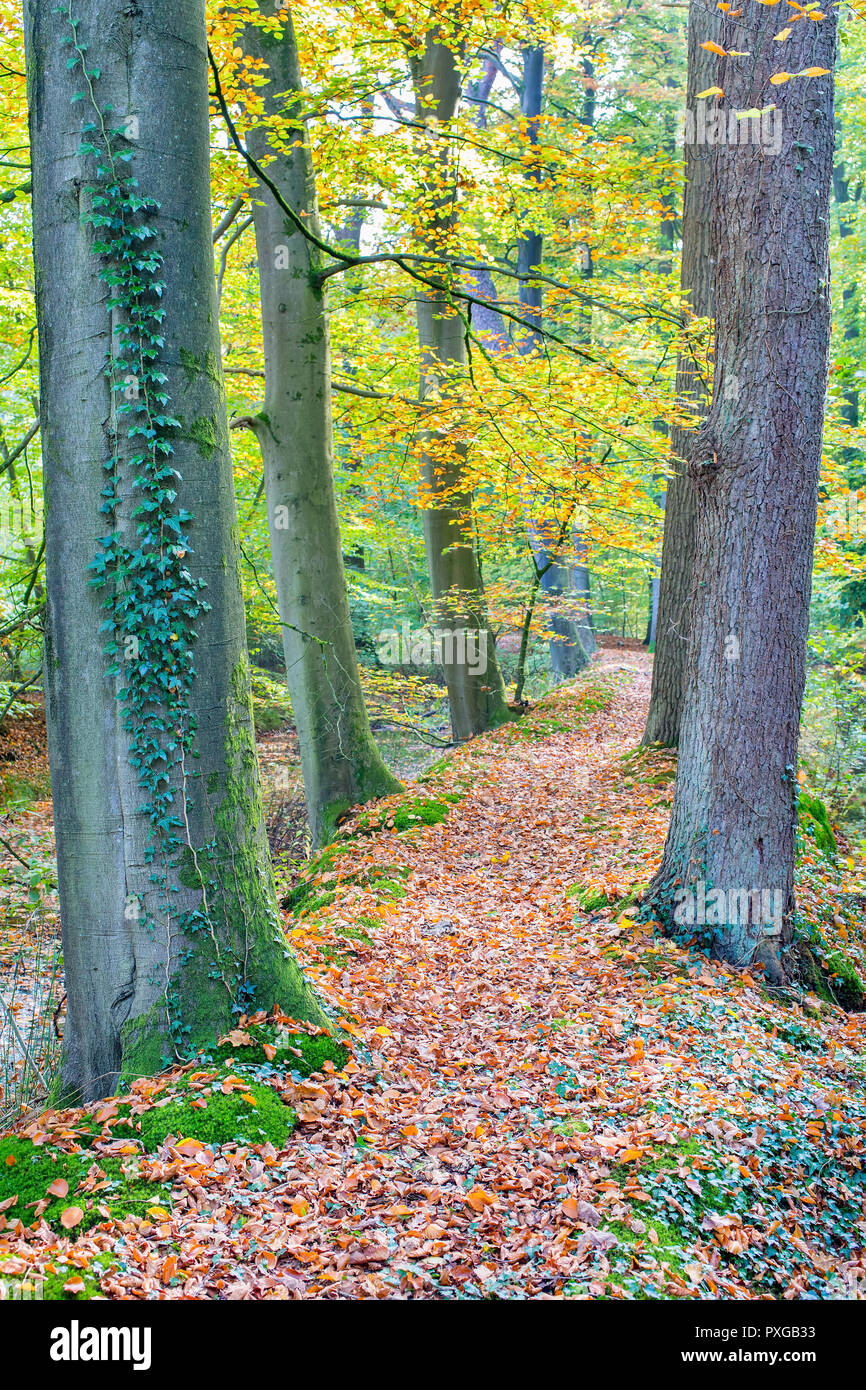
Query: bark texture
x,y
476,696
340,761
138,988
755,467
671,615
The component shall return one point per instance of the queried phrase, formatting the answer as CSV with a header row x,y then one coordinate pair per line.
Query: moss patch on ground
x,y
27,1171
269,1042
70,1283
412,813
312,891
253,1114
815,822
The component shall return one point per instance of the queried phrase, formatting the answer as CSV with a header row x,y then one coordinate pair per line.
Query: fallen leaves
x,y
542,1099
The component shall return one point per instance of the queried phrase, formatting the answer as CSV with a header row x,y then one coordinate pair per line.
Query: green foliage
x,y
272,709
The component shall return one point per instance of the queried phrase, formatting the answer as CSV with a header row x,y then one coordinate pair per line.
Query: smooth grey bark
x,y
139,988
476,696
566,587
755,467
340,762
696,278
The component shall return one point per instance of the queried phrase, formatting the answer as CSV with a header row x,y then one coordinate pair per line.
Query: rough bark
x,y
139,988
755,465
341,764
696,275
476,695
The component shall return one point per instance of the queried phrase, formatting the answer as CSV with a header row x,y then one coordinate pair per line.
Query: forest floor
x,y
544,1097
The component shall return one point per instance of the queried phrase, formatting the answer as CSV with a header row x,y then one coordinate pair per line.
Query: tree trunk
x,y
167,903
475,689
573,641
340,761
696,277
755,464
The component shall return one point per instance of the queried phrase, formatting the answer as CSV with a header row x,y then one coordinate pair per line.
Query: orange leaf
x,y
478,1199
59,1187
569,1207
778,78
714,48
71,1217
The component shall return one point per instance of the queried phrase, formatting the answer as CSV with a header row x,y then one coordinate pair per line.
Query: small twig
x,y
15,855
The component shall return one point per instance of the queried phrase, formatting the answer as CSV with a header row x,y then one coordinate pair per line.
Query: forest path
x,y
542,1101
521,1065
448,1164
443,1166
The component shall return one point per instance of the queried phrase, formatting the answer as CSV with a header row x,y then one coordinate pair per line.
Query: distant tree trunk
x,y
340,761
847,213
573,641
162,938
652,621
755,464
475,689
696,278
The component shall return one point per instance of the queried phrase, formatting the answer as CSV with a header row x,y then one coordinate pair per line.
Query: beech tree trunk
x,y
671,633
565,586
755,467
141,989
475,689
340,761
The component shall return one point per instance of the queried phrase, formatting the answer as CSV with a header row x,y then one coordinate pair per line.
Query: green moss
x,y
419,811
204,433
191,365
411,814
144,1043
309,894
50,1289
33,1169
303,1052
815,822
668,1248
255,1115
845,982
331,816
588,899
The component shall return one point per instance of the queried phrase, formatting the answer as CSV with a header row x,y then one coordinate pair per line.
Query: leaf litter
x,y
544,1098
